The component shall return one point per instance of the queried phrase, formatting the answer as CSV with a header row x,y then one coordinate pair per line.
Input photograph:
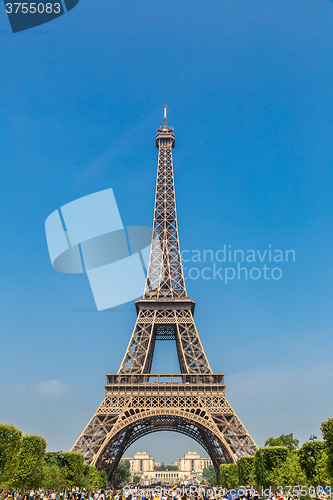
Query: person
x,y
101,495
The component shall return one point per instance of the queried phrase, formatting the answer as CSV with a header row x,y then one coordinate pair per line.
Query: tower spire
x,y
165,125
165,274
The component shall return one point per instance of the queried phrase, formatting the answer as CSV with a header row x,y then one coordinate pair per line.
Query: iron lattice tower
x,y
137,402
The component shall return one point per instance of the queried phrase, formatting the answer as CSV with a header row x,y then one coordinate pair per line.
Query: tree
x,y
231,476
51,471
51,458
104,478
287,440
94,477
288,473
136,479
121,475
50,476
160,467
172,467
312,458
209,475
126,464
29,473
327,430
246,470
71,468
265,461
10,446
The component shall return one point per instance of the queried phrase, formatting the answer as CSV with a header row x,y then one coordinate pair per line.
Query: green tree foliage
x,y
51,471
72,469
246,471
95,480
166,467
209,475
265,461
160,467
231,476
126,464
288,473
287,440
10,447
29,473
208,471
24,464
51,458
104,479
136,479
50,476
313,459
121,475
323,466
327,430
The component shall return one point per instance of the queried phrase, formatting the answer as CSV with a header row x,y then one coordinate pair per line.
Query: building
x,y
189,471
193,462
140,463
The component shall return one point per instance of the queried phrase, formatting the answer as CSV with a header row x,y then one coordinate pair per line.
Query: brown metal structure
x,y
137,402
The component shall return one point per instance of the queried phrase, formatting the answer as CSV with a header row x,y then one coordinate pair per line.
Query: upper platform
x,y
165,304
172,379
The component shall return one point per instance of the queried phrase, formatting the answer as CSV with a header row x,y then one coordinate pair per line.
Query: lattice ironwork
x,y
139,354
137,402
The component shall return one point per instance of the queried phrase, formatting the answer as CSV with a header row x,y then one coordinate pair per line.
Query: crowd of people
x,y
192,493
52,495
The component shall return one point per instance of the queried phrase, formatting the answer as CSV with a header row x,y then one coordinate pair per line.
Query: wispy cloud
x,y
263,380
51,388
19,387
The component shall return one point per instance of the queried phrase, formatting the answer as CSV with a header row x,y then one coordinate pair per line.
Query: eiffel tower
x,y
137,402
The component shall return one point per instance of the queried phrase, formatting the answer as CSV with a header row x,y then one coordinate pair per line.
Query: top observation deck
x,y
165,379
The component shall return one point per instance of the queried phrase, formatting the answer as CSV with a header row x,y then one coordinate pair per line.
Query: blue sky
x,y
249,91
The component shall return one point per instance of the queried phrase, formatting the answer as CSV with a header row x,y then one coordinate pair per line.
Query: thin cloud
x,y
263,380
19,387
51,388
